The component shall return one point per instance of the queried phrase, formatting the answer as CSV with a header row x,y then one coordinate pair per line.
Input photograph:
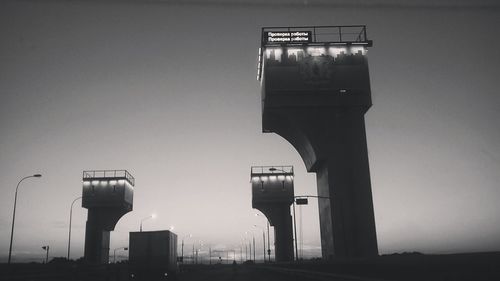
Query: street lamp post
x,y
70,218
114,252
146,218
246,249
250,246
193,254
303,202
295,232
268,240
263,241
182,247
14,213
46,248
198,252
253,238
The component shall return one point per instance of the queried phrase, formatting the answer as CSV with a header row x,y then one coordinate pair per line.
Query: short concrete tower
x,y
108,195
315,93
272,194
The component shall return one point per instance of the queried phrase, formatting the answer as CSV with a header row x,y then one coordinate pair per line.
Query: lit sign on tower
x,y
284,37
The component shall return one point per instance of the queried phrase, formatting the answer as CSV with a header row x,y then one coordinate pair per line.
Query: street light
x,y
198,252
250,245
301,200
70,218
268,240
246,248
182,246
46,248
192,260
263,240
147,218
14,213
114,252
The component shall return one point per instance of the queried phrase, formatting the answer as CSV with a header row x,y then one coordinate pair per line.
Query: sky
x,y
167,90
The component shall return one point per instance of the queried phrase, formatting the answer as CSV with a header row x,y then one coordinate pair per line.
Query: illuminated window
x,y
336,51
295,54
274,54
316,51
358,50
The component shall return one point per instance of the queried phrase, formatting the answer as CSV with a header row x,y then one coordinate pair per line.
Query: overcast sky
x,y
168,92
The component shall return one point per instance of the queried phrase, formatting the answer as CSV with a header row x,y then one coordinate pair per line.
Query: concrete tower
x,y
108,195
315,93
272,194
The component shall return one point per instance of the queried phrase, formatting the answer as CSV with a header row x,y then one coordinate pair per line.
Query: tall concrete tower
x,y
315,93
108,195
272,194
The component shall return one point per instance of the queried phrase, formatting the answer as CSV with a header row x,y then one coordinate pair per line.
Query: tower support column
x,y
344,177
283,239
96,239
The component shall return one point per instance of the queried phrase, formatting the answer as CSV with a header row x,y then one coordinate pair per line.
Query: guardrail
x,y
278,170
109,174
316,34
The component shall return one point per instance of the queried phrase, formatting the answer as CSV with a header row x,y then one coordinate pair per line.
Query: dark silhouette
x,y
108,195
272,194
319,108
153,255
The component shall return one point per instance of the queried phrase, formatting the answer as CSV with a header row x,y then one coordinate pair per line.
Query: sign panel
x,y
301,201
287,37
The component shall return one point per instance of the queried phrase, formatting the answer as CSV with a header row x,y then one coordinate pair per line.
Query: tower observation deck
x,y
108,195
272,194
315,92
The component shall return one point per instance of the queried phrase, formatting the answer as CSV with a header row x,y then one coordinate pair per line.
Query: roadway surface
x,y
236,273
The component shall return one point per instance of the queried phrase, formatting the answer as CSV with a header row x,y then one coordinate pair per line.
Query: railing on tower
x,y
109,174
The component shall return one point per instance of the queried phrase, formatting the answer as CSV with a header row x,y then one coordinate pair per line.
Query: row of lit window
x,y
272,178
315,51
333,51
104,182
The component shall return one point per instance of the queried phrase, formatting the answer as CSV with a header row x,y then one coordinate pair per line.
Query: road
x,y
235,273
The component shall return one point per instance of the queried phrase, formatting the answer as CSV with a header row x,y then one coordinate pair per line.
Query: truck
x,y
153,255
